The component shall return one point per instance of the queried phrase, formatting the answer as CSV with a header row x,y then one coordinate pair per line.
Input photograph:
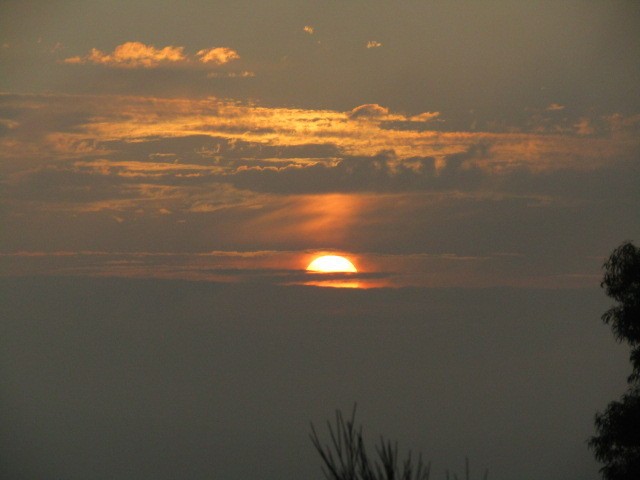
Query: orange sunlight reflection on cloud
x,y
335,283
316,220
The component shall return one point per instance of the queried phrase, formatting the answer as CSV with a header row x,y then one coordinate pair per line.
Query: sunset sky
x,y
467,157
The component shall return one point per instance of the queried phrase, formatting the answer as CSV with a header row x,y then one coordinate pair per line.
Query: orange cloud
x,y
309,29
217,55
425,116
132,55
140,55
584,127
373,44
134,119
370,110
554,107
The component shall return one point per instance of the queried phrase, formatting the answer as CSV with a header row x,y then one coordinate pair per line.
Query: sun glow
x,y
331,264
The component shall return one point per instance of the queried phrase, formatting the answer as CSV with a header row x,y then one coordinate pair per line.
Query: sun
x,y
331,264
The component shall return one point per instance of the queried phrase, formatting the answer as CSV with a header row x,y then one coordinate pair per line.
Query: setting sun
x,y
330,264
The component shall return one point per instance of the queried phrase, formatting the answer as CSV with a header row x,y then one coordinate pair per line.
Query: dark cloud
x,y
351,174
34,124
380,173
59,184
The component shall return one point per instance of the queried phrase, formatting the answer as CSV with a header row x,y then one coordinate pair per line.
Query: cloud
x,y
209,174
241,74
584,127
425,117
132,55
370,110
140,55
58,46
7,124
309,29
555,107
93,126
217,55
379,173
373,44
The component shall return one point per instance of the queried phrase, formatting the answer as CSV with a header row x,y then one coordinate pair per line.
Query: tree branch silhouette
x,y
617,444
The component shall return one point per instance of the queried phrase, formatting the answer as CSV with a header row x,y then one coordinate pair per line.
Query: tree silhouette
x,y
346,458
617,444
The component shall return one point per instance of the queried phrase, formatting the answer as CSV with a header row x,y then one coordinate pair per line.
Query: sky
x,y
185,161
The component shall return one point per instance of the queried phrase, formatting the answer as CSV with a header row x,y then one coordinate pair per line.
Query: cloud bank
x,y
144,174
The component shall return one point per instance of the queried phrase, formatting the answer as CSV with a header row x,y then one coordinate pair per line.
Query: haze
x,y
169,169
